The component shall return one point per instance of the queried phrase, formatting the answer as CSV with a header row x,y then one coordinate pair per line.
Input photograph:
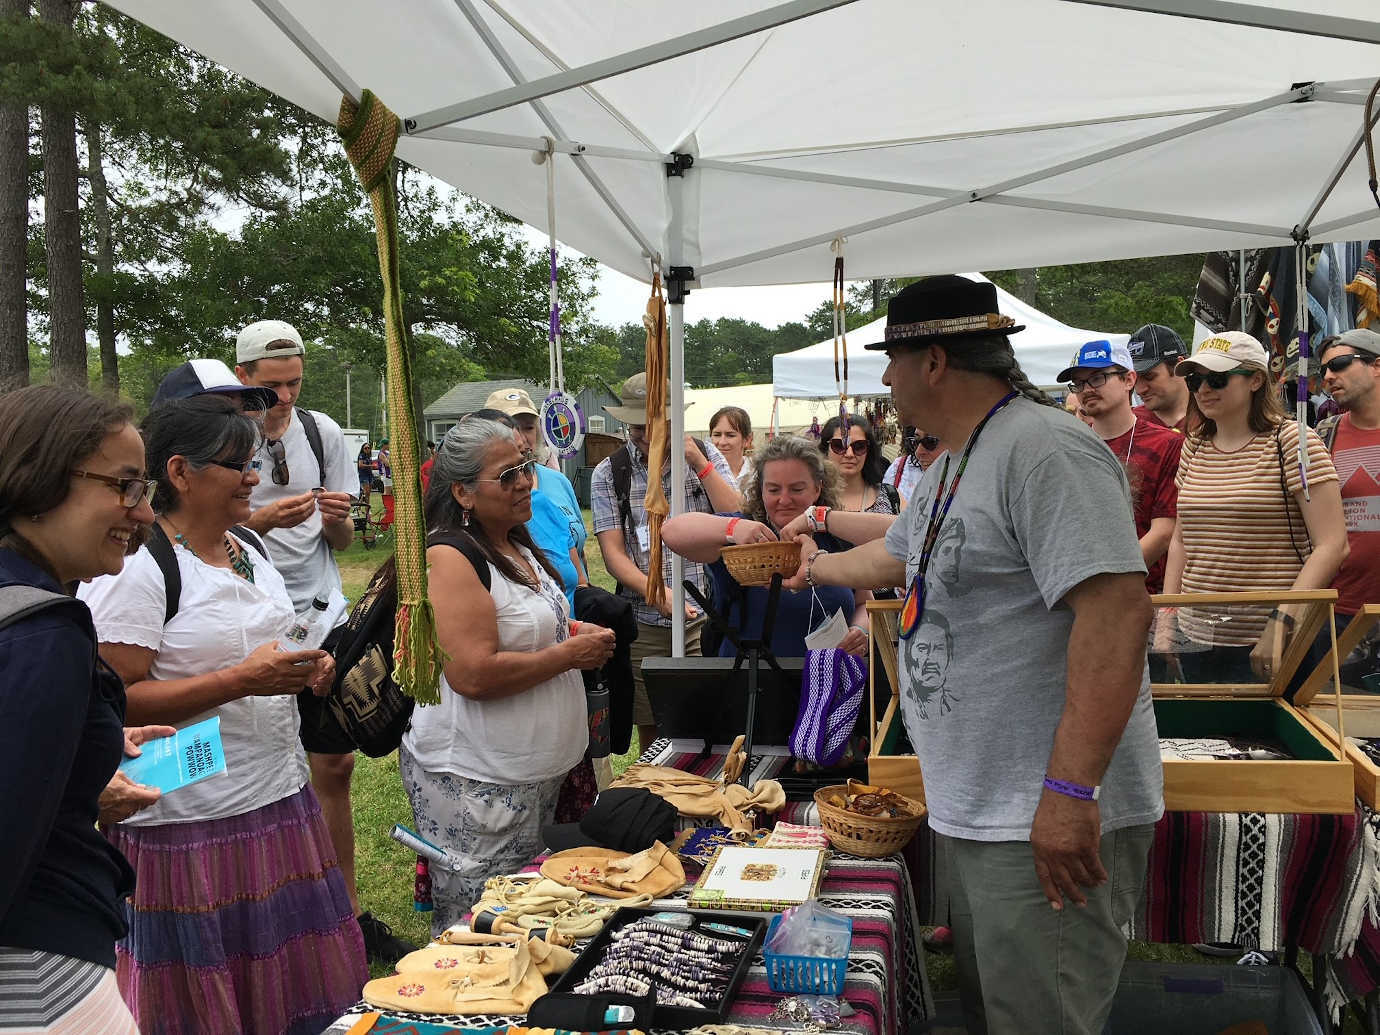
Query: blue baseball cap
x,y
211,376
1097,355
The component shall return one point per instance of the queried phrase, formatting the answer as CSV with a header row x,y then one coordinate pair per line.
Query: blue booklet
x,y
189,755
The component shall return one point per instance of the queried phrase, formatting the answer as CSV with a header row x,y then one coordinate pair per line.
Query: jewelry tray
x,y
678,1017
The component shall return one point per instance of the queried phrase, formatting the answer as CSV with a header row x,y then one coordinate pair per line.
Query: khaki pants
x,y
654,641
1022,967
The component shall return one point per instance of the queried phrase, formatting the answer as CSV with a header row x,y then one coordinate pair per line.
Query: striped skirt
x,y
43,993
239,925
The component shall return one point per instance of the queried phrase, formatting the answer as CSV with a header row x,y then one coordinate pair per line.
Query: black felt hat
x,y
939,308
626,819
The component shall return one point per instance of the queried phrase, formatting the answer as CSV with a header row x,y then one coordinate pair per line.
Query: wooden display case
x,y
886,768
1348,714
1318,778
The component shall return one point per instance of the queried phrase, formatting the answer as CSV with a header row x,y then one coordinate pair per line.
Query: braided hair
x,y
992,354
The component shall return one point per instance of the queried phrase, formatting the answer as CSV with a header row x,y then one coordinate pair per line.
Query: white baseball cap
x,y
1229,350
268,339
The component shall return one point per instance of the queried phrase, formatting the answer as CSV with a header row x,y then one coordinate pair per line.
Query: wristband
x,y
1285,619
728,532
861,628
1073,790
574,628
817,518
708,466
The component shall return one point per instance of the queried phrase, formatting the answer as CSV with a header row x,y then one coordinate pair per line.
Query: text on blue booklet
x,y
189,755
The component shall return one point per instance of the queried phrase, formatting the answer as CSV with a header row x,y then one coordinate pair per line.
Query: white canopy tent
x,y
1044,348
732,141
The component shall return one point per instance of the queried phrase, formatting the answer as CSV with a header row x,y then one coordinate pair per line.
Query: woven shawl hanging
x,y
370,133
658,434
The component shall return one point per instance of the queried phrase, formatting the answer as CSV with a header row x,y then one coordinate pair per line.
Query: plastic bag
x,y
811,929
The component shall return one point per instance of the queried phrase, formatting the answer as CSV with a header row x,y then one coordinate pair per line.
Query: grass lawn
x,y
385,869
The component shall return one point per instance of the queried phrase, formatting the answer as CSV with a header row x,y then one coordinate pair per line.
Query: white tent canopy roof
x,y
989,134
1043,349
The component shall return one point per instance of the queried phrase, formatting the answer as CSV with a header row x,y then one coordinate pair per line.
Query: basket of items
x,y
868,821
806,950
754,564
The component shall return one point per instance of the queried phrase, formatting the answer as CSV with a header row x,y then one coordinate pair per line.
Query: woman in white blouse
x,y
730,429
483,768
240,920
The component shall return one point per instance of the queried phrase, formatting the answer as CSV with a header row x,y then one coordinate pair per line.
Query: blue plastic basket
x,y
805,975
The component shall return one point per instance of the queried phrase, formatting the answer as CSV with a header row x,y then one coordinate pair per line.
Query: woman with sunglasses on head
x,y
73,497
857,456
240,919
483,769
1243,522
792,483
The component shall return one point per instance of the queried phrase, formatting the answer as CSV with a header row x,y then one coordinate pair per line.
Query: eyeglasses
x,y
1091,381
509,478
929,442
1339,363
278,455
133,491
238,466
1216,380
857,447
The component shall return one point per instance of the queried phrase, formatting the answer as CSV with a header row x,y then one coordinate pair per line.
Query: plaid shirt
x,y
604,505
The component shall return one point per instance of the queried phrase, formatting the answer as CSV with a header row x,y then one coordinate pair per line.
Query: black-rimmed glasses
x,y
278,455
238,466
507,479
1091,381
858,447
1339,363
1214,379
929,442
132,491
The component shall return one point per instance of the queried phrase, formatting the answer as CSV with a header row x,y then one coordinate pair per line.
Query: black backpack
x,y
364,701
161,550
313,433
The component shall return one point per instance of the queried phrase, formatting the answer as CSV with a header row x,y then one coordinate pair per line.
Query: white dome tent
x,y
1043,349
730,141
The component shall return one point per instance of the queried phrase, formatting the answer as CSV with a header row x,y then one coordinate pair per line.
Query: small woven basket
x,y
868,836
754,564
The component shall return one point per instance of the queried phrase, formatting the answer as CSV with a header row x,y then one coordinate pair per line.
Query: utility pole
x,y
349,419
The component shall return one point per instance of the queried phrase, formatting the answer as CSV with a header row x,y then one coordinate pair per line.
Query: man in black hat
x,y
1042,765
1155,350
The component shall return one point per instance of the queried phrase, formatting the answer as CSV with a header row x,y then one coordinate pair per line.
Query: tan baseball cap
x,y
1230,350
513,401
268,339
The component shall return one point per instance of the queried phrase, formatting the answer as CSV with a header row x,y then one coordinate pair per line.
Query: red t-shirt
x,y
1149,452
1154,418
1356,454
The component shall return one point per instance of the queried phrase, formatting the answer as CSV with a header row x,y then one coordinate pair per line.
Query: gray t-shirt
x,y
1043,505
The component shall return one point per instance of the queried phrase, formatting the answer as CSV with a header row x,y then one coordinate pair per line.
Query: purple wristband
x,y
1072,790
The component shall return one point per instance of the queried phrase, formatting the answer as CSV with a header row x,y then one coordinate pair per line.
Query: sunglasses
x,y
839,446
238,466
1216,380
1339,363
929,442
1091,381
132,491
278,455
507,479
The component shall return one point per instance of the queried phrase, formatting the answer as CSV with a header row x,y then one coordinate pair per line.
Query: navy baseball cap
x,y
1097,354
200,376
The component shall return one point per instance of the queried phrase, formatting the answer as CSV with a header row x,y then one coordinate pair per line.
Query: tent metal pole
x,y
485,138
1301,387
676,286
678,46
987,193
294,30
510,66
1255,16
1241,295
805,176
1137,215
1334,177
1323,229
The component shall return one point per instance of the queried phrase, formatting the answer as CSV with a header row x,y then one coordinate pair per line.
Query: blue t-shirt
x,y
744,607
557,488
550,530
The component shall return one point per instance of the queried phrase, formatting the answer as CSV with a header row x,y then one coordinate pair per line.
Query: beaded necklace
x,y
239,560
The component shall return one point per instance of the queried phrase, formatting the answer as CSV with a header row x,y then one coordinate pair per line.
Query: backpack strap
x,y
313,431
891,493
20,602
464,542
249,536
161,550
1327,429
620,468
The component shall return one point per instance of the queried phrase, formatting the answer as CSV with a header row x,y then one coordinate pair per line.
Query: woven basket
x,y
868,836
754,564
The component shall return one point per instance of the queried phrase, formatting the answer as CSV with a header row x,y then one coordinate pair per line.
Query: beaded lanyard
x,y
914,605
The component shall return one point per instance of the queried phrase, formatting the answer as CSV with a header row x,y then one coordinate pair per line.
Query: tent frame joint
x,y
678,281
679,163
1305,91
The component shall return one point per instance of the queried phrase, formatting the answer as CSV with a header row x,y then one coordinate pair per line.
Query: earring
x,y
464,518
36,517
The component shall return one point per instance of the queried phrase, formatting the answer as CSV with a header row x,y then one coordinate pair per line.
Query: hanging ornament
x,y
562,421
840,335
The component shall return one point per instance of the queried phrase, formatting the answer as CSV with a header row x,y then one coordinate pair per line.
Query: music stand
x,y
752,651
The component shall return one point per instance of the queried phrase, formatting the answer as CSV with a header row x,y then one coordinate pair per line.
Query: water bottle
x,y
308,630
